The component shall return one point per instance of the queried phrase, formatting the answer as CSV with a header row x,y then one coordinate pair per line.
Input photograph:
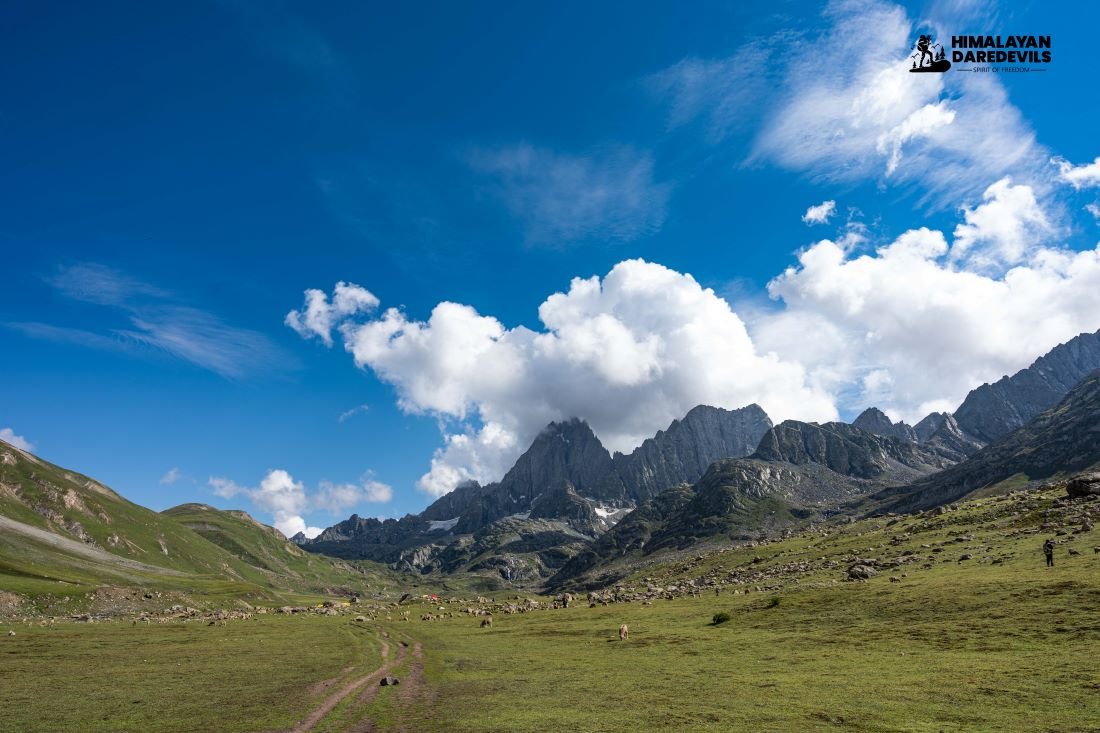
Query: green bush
x,y
720,618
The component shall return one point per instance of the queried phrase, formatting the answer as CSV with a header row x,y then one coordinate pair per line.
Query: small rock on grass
x,y
388,681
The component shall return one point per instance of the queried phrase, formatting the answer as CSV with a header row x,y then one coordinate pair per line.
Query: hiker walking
x,y
1048,550
923,44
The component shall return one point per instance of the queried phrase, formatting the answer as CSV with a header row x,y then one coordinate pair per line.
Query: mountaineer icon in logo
x,y
934,52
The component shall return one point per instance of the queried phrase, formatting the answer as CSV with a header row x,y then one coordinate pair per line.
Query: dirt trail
x,y
330,702
413,689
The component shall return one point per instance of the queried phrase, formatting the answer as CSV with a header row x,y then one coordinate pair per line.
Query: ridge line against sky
x,y
892,240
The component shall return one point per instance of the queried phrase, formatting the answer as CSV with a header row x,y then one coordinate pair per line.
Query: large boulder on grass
x,y
861,572
1086,484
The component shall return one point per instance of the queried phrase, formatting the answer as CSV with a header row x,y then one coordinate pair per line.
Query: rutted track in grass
x,y
368,681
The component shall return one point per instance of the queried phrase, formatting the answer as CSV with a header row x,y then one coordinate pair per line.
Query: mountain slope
x,y
61,526
800,470
263,547
1065,438
994,410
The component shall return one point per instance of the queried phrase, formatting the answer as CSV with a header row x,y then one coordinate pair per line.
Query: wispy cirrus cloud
x,y
65,335
155,323
722,94
609,193
867,119
287,38
91,282
348,414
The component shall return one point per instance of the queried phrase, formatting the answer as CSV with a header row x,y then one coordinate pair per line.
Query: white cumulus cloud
x,y
1078,176
319,314
338,497
287,500
629,353
820,214
8,436
170,477
912,327
1005,229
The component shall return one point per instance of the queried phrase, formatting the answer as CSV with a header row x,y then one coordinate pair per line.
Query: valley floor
x,y
993,642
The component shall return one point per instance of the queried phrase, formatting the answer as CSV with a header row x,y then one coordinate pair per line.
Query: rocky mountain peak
x,y
874,420
682,452
929,424
564,452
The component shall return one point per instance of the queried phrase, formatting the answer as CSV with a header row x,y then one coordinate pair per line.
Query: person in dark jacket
x,y
1048,550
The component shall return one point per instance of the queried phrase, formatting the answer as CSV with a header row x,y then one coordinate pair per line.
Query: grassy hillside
x,y
264,548
65,534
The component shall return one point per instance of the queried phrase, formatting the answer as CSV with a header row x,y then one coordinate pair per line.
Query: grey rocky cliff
x,y
994,410
550,494
846,450
683,452
949,440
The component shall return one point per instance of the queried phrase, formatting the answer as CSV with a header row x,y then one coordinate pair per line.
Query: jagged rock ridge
x,y
1065,438
566,476
799,470
994,410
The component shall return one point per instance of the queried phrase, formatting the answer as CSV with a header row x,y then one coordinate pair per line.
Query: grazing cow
x,y
487,622
624,632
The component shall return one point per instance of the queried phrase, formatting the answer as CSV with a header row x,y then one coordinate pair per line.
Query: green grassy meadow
x,y
995,642
114,677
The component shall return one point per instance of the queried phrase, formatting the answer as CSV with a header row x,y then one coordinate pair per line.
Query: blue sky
x,y
177,177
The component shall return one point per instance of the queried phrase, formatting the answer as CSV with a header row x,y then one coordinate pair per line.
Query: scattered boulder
x,y
388,681
11,633
861,572
360,619
1087,484
966,556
